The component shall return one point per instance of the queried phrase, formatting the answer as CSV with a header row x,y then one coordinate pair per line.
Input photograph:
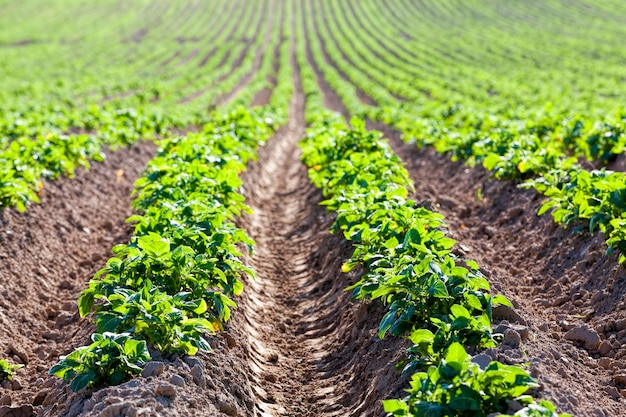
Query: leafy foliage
x,y
173,284
110,359
457,387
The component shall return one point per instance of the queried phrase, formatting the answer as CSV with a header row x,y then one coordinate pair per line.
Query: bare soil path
x,y
313,352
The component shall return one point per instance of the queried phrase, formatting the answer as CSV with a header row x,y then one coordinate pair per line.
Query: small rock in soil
x,y
620,379
613,392
5,400
191,361
227,408
521,330
16,384
12,350
572,400
40,397
512,338
166,390
490,231
605,363
620,325
230,340
507,313
196,374
65,318
66,285
604,348
21,411
153,369
514,406
69,306
584,334
177,380
481,360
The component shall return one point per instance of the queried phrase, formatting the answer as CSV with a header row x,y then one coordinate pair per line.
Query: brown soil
x,y
569,294
262,97
315,353
47,254
296,346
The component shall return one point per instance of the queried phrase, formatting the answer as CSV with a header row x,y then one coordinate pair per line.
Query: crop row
x,y
174,282
441,303
527,143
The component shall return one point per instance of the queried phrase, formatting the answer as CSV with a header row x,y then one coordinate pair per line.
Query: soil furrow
x,y
312,351
570,295
46,256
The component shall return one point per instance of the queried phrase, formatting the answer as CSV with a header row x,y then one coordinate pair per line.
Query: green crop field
x,y
284,208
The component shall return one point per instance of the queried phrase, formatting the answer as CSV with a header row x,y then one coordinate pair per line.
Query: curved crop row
x,y
543,143
174,282
441,303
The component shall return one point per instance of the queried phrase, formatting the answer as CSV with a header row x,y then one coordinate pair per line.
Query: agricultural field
x,y
284,208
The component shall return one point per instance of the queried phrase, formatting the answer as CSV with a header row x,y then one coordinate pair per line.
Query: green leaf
x,y
420,336
154,245
438,289
458,310
82,380
85,302
465,400
396,407
391,243
473,301
135,348
456,354
386,323
500,299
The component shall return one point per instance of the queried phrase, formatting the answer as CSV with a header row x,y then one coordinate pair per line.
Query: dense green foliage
x,y
497,96
174,283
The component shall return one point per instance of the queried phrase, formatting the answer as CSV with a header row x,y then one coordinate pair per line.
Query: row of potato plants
x,y
381,61
174,282
439,302
512,144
